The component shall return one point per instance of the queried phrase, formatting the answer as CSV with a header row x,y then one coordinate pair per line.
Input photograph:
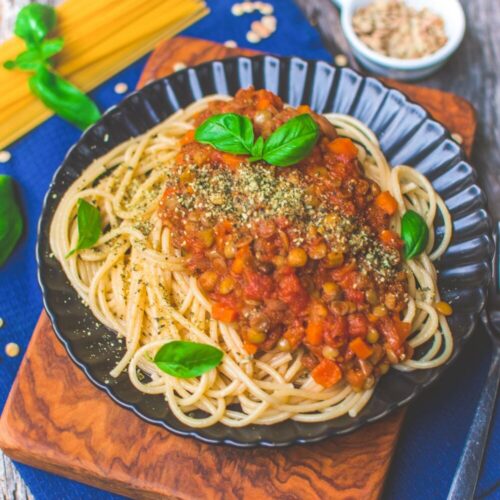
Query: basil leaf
x,y
228,132
64,98
89,226
11,220
257,150
50,48
187,359
29,60
34,22
291,142
415,234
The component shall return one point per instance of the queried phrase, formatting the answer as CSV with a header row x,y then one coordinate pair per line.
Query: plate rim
x,y
198,433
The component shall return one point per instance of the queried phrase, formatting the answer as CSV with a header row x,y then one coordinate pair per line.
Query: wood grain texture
x,y
57,420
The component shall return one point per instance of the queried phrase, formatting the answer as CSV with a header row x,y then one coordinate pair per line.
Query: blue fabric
x,y
436,425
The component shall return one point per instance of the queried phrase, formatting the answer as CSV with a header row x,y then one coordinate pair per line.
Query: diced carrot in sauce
x,y
250,348
344,147
359,347
238,265
314,332
390,239
386,202
188,137
304,108
263,103
232,161
327,373
224,313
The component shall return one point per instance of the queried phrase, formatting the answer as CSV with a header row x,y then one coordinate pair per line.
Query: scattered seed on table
x,y
237,10
178,66
5,156
341,60
269,22
247,7
457,138
12,349
260,29
266,8
253,37
231,44
121,88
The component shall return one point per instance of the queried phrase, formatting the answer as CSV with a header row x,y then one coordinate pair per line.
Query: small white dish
x,y
406,69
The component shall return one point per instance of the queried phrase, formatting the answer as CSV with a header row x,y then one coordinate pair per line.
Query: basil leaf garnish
x,y
64,98
291,142
89,226
34,22
183,359
257,150
415,234
228,132
11,220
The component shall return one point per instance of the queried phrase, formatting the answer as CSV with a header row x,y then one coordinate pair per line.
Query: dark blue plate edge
x,y
359,422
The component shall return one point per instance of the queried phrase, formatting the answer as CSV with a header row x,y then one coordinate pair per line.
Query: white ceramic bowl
x,y
406,69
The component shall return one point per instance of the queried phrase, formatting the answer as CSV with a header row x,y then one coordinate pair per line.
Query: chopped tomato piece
x,y
257,286
294,335
224,313
292,292
343,147
393,333
327,373
386,202
314,332
358,325
359,347
357,296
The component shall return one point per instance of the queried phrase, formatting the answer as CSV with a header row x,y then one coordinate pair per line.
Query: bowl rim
x,y
361,421
434,59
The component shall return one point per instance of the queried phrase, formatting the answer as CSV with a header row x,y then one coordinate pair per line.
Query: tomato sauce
x,y
297,257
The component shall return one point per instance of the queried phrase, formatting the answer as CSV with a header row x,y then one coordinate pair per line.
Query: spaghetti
x,y
136,283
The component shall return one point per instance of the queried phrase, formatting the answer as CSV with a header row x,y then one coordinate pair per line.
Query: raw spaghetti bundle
x,y
101,38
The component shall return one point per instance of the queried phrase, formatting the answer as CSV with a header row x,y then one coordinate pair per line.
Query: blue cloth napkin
x,y
436,424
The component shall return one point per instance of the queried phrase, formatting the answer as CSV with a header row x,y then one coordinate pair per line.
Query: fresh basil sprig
x,y
11,220
291,142
228,132
89,226
233,133
183,359
33,24
415,234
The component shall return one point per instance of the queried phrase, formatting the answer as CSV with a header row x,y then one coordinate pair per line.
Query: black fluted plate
x,y
407,135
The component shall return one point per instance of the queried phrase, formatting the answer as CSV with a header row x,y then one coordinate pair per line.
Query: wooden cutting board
x,y
55,419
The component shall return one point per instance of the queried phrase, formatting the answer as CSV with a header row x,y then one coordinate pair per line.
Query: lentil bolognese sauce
x,y
262,262
297,257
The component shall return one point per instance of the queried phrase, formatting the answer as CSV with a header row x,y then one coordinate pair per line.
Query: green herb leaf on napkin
x,y
11,220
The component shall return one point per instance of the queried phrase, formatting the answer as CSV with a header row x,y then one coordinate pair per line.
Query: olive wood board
x,y
55,419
